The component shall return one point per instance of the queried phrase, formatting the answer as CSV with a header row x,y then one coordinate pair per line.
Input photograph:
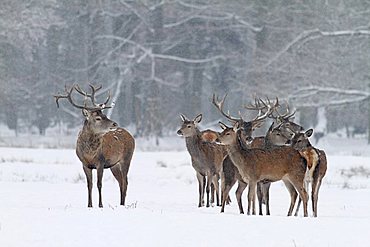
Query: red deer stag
x,y
101,143
230,173
206,157
255,165
274,139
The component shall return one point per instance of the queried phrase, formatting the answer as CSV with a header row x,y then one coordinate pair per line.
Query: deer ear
x,y
222,125
198,118
271,127
308,133
86,113
183,118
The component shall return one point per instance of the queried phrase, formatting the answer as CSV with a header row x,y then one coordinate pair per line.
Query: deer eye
x,y
98,118
228,134
189,126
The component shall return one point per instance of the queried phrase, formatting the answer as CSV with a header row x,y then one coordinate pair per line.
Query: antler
x,y
220,104
68,96
256,106
285,116
94,89
265,109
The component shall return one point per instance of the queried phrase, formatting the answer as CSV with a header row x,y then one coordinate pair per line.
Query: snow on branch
x,y
188,60
148,52
191,5
220,15
310,96
310,35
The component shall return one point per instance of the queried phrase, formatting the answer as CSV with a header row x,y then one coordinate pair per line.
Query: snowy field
x,y
43,202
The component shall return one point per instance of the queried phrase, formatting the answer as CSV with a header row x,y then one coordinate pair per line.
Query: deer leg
x,y
204,189
266,196
315,194
88,173
212,193
298,206
239,193
117,174
299,186
224,195
260,197
124,189
100,171
216,186
201,183
300,200
228,200
293,196
226,185
252,198
208,187
124,172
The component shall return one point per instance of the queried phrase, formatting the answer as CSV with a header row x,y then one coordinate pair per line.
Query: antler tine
x,y
58,97
94,89
104,105
93,92
268,100
288,114
220,104
257,105
76,87
92,95
68,96
269,107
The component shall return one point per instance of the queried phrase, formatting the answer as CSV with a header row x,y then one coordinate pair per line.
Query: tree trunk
x,y
368,124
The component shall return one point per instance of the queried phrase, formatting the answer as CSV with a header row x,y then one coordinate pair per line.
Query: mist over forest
x,y
161,58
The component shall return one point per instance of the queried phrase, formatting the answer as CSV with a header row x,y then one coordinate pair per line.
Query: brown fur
x,y
230,175
254,165
209,136
101,143
113,150
206,158
258,142
318,174
207,161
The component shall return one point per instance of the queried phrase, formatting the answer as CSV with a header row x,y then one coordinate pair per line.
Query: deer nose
x,y
115,124
288,142
179,132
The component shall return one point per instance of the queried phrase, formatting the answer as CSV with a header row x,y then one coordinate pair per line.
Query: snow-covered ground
x,y
43,202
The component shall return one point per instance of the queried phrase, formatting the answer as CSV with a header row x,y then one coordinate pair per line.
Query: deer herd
x,y
233,155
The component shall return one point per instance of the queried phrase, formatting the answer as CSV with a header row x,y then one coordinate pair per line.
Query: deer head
x,y
228,136
300,140
246,128
277,136
189,127
284,122
95,119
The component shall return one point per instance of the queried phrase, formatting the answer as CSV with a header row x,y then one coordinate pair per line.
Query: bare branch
x,y
310,35
301,97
